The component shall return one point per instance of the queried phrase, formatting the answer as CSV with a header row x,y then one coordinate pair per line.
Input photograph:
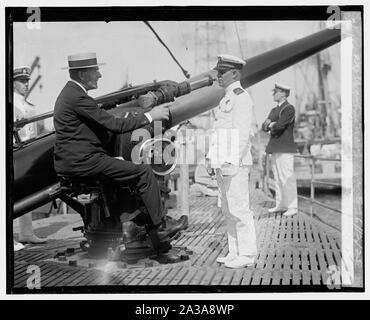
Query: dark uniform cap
x,y
22,72
228,62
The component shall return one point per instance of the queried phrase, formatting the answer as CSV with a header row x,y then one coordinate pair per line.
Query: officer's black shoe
x,y
164,247
172,225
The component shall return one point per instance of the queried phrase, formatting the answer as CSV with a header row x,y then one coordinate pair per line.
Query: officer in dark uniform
x,y
280,125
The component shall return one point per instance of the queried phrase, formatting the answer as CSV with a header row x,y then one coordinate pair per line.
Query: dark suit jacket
x,y
281,139
82,131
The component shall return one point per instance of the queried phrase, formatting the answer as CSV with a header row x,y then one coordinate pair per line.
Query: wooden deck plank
x,y
308,228
247,277
267,277
287,266
282,231
286,277
306,277
237,278
91,276
200,273
218,277
319,250
140,277
179,276
327,248
275,234
336,251
74,276
207,279
276,277
65,275
186,280
296,277
148,278
22,275
279,260
302,229
296,259
203,256
18,265
295,229
120,277
289,230
270,260
169,278
76,281
257,277
212,257
228,276
160,276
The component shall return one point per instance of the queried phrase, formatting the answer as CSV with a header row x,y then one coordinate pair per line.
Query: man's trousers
x,y
141,176
240,227
285,181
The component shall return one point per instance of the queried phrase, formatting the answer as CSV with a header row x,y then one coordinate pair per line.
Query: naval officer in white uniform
x,y
23,109
230,155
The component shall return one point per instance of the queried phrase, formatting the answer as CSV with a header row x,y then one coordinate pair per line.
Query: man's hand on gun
x,y
160,112
209,169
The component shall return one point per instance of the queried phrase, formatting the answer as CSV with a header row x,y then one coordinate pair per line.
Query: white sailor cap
x,y
228,62
280,86
23,72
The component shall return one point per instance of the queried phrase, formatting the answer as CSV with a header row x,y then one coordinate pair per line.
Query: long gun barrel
x,y
33,164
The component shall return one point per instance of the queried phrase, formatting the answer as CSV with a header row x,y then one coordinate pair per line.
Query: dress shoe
x,y
18,246
167,234
276,209
172,226
32,239
290,212
240,262
228,258
164,247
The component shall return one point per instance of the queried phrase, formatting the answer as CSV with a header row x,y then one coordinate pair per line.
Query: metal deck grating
x,y
292,251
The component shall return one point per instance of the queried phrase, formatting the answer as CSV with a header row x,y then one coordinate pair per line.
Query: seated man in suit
x,y
82,136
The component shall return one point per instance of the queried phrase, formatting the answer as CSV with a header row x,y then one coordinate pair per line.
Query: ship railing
x,y
19,124
313,183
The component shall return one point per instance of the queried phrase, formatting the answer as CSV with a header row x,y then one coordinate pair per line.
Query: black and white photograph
x,y
184,149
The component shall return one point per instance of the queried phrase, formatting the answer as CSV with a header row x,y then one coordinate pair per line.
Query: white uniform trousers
x,y
285,181
240,227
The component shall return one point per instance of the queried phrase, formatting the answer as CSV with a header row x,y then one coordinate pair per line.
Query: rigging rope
x,y
240,45
186,74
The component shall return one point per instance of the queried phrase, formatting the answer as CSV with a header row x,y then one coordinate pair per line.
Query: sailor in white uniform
x,y
230,155
23,109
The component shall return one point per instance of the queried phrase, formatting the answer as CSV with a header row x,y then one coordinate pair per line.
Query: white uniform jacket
x,y
24,110
230,140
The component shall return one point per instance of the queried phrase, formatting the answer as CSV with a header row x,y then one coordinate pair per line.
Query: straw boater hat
x,y
81,61
23,72
228,62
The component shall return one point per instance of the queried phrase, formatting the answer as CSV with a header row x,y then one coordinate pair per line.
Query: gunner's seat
x,y
103,227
